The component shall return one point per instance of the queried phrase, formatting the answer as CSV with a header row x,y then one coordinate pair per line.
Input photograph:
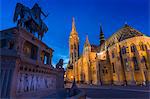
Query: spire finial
x,y
73,24
126,24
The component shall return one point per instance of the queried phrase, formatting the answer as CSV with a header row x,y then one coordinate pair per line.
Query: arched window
x,y
135,63
123,50
133,48
144,61
142,46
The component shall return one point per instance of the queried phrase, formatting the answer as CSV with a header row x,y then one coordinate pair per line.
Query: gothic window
x,y
123,50
135,63
133,48
142,46
144,61
113,67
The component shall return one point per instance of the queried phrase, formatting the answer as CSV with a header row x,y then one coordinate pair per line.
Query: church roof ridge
x,y
123,33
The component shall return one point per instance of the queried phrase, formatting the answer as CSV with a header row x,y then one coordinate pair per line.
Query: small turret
x,y
87,42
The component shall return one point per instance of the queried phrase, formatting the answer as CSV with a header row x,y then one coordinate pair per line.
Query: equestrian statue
x,y
30,19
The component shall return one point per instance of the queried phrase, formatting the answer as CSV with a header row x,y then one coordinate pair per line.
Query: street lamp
x,y
71,77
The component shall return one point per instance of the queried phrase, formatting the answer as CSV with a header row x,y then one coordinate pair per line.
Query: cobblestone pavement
x,y
113,92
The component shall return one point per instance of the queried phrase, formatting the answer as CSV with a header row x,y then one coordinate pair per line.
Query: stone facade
x,y
26,68
122,59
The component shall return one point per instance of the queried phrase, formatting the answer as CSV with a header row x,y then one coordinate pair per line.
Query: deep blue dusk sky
x,y
89,14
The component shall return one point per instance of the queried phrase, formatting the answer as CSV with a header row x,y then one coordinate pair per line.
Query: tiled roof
x,y
124,33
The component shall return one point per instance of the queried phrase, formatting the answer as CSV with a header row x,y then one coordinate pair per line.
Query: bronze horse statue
x,y
30,19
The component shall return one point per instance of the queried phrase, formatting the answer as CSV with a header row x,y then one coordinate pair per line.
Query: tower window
x,y
135,63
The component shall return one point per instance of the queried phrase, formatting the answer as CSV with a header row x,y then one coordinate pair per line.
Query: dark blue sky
x,y
89,14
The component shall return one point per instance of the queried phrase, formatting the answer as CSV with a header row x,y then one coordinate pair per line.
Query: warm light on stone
x,y
122,59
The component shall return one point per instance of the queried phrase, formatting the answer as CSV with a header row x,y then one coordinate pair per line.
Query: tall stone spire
x,y
102,38
73,43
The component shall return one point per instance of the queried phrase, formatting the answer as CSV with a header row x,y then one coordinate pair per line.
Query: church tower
x,y
73,44
102,38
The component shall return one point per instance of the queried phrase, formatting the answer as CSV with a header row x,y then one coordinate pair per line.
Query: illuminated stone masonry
x,y
26,68
122,59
